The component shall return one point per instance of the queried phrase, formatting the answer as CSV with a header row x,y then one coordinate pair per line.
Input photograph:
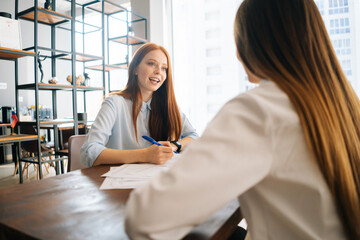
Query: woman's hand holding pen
x,y
159,154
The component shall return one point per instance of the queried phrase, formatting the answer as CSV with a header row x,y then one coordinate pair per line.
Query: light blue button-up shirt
x,y
113,128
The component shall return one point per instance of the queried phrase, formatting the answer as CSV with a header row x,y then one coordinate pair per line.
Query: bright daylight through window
x,y
206,70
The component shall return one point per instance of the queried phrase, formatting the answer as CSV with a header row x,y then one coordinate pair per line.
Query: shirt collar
x,y
146,106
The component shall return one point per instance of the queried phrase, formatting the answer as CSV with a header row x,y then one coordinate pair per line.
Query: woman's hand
x,y
160,154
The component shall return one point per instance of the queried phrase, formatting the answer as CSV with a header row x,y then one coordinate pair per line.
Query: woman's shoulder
x,y
117,102
267,100
118,99
267,93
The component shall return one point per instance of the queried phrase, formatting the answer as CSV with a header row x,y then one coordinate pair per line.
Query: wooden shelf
x,y
110,7
129,40
64,126
89,88
10,53
61,123
48,86
45,16
82,57
109,67
45,86
17,138
48,122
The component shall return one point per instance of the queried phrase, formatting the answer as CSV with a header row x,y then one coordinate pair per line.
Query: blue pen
x,y
153,141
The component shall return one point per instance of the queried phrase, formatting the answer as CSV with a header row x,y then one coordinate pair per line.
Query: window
x,y
212,33
335,6
213,52
212,16
340,26
342,32
214,70
206,71
213,89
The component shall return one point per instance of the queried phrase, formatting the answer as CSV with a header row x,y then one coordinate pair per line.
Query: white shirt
x,y
113,128
254,149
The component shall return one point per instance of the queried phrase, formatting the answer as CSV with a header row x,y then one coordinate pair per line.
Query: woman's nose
x,y
157,69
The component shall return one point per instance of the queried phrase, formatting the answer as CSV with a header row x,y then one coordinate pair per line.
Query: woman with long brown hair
x,y
288,149
146,107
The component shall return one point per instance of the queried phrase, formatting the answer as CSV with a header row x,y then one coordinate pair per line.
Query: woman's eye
x,y
151,63
164,69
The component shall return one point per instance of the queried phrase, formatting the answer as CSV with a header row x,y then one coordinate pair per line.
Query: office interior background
x,y
199,37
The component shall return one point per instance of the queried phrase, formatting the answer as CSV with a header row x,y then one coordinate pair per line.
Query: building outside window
x,y
342,21
206,71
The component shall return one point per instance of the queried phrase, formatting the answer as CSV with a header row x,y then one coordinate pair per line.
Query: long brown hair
x,y
165,119
287,42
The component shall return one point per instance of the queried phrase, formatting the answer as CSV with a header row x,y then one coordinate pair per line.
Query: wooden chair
x,y
31,150
64,136
75,143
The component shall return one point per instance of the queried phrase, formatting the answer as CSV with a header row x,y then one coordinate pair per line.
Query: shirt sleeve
x,y
232,155
187,129
100,132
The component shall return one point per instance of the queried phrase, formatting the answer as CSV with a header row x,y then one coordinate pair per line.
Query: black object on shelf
x,y
6,114
47,5
5,14
82,116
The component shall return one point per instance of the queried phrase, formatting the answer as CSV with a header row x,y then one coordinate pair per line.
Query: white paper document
x,y
129,176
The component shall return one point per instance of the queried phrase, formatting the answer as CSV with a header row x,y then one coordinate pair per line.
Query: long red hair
x,y
165,120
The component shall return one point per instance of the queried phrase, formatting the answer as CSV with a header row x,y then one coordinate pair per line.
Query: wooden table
x,y
71,206
15,140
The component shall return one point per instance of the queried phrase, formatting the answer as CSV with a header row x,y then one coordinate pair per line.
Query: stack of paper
x,y
132,175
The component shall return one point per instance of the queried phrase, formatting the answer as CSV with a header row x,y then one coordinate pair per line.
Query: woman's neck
x,y
146,96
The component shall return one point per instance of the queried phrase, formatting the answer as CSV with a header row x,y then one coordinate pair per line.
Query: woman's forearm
x,y
154,154
114,156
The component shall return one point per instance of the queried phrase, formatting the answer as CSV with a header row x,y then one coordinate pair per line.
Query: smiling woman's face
x,y
151,73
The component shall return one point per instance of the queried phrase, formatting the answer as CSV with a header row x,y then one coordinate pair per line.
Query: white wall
x,y
158,13
7,68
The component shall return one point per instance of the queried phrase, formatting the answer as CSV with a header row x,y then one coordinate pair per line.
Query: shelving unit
x,y
128,40
38,15
76,25
44,16
114,11
13,55
55,20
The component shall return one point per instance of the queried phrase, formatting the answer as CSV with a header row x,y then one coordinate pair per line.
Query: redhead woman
x,y
146,107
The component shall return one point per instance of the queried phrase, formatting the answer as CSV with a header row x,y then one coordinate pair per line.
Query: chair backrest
x,y
75,143
31,146
65,134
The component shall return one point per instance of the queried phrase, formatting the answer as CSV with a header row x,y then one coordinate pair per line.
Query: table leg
x,y
2,154
62,167
14,155
57,167
17,159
